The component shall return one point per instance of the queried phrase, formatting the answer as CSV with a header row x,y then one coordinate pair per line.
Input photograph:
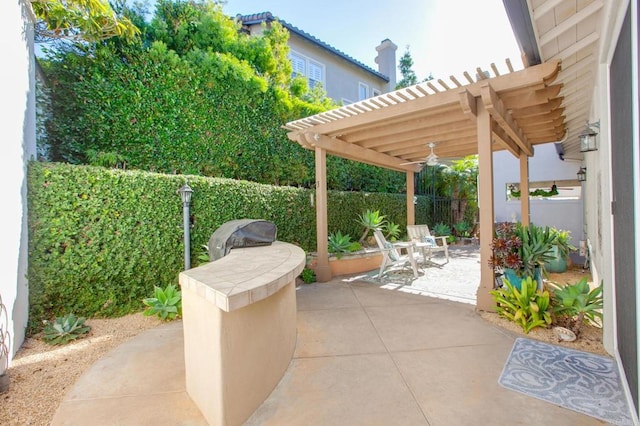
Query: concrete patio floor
x,y
367,354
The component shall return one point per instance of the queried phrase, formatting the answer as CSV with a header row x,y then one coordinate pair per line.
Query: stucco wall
x,y
341,76
17,86
545,165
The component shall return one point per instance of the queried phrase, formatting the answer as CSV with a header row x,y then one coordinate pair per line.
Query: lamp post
x,y
185,192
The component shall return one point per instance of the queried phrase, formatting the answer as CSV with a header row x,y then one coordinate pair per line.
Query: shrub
x,y
308,276
166,304
354,247
463,229
203,256
64,329
527,307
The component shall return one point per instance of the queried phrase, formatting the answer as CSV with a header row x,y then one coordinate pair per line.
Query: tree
x,y
88,20
409,77
460,181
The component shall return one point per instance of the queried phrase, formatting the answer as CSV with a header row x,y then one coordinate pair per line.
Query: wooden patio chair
x,y
427,243
393,256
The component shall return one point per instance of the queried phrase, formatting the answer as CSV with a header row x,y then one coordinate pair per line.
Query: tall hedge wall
x,y
100,239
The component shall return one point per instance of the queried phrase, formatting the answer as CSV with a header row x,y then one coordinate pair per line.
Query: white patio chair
x,y
427,243
392,255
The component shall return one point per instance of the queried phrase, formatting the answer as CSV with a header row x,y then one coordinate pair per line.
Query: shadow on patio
x,y
367,353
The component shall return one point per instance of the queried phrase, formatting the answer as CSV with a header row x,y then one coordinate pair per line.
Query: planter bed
x,y
351,263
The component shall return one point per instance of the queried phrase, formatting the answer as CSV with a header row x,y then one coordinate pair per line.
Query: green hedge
x,y
100,239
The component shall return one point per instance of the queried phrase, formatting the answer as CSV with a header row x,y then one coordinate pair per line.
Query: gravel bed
x,y
40,374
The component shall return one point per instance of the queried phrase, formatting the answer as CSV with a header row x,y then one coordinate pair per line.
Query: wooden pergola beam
x,y
357,153
503,138
493,104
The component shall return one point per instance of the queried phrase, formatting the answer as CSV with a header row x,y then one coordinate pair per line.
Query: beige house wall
x,y
341,77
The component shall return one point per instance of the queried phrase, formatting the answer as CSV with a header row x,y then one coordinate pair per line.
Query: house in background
x,y
597,44
345,79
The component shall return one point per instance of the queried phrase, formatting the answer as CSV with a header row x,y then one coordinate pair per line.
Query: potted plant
x,y
521,251
560,251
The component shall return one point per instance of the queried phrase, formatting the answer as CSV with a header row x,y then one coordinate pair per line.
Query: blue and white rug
x,y
580,381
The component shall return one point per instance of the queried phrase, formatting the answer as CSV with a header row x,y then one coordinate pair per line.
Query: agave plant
x,y
64,329
166,304
392,231
339,243
371,221
578,302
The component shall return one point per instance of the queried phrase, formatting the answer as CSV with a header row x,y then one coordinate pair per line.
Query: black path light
x,y
185,192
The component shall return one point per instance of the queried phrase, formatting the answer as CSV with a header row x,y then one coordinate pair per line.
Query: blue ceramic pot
x,y
516,281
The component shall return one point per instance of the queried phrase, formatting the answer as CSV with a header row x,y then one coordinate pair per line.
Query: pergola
x,y
514,111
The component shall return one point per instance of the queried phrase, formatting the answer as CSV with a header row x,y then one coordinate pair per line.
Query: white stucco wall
x,y
17,86
545,165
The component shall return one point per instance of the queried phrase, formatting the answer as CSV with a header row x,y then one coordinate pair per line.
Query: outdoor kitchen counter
x,y
245,275
239,322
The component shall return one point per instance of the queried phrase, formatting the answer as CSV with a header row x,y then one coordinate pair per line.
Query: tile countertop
x,y
245,275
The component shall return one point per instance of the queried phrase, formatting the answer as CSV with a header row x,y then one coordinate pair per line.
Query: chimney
x,y
386,61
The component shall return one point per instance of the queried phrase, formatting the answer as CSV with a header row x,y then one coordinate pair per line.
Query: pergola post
x,y
485,190
323,271
411,209
524,189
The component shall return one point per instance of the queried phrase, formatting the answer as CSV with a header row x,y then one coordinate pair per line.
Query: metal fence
x,y
440,209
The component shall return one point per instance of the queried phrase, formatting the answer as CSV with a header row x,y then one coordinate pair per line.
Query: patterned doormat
x,y
580,381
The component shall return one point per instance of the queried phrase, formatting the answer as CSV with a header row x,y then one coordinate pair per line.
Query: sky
x,y
444,37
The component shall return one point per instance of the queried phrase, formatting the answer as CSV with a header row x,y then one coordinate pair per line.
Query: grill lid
x,y
240,233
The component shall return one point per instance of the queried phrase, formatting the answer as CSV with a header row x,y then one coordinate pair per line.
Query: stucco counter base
x,y
239,319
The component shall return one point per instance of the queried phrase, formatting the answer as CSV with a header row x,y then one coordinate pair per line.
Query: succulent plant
x,y
166,303
64,329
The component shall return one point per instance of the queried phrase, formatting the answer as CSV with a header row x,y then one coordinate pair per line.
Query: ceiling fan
x,y
430,160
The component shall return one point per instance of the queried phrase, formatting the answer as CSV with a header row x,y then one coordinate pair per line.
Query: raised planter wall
x,y
350,264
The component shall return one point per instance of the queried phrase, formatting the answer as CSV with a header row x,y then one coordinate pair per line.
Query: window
x,y
303,66
362,91
375,92
298,64
315,74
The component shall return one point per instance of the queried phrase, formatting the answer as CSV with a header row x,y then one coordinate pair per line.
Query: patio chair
x,y
392,255
427,243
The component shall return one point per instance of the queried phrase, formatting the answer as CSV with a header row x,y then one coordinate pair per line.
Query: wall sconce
x,y
582,174
588,137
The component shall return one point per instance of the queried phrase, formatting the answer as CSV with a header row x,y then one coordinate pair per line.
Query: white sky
x,y
444,36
